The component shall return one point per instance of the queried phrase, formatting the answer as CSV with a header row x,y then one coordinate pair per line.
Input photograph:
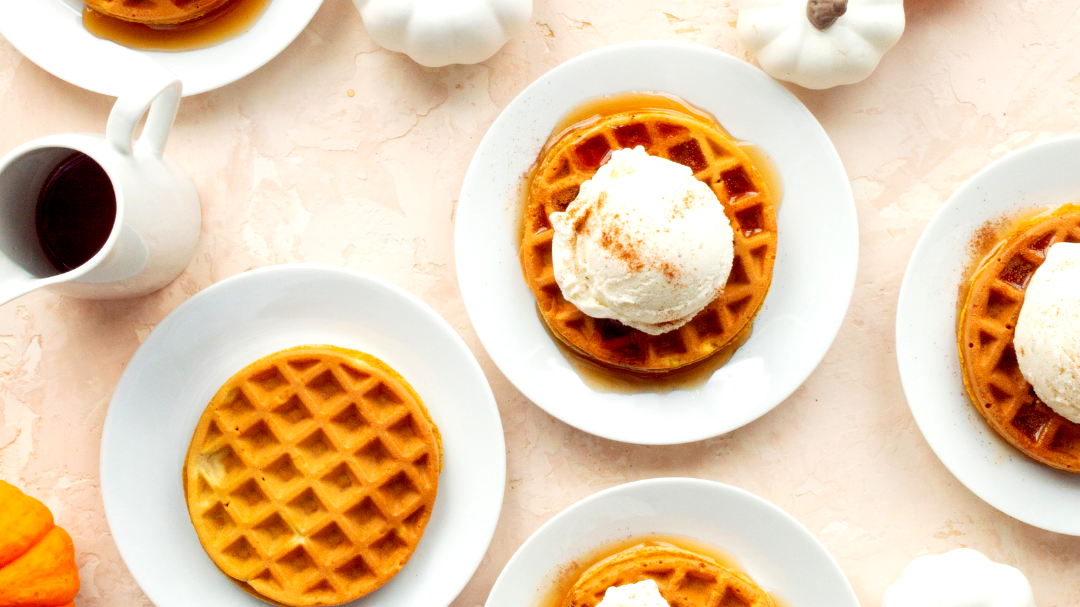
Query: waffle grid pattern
x,y
311,478
988,357
156,12
715,160
685,579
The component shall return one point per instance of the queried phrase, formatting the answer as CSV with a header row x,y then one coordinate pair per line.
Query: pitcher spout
x,y
16,282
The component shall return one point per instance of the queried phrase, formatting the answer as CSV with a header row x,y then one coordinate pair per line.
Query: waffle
x,y
718,161
157,12
311,475
987,356
685,579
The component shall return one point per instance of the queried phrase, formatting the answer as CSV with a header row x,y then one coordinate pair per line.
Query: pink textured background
x,y
291,168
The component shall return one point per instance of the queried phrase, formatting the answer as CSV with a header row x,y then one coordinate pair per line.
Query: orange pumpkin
x,y
37,558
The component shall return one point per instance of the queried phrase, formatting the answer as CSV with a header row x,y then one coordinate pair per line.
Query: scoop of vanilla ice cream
x,y
641,594
1047,339
643,243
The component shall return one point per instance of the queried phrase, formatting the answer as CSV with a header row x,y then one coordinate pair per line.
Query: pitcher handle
x,y
162,102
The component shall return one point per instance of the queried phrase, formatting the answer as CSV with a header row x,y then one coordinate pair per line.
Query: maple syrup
x,y
227,22
563,580
591,111
76,210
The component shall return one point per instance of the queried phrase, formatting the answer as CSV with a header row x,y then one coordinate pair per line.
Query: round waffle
x,y
718,161
685,579
312,474
156,12
987,356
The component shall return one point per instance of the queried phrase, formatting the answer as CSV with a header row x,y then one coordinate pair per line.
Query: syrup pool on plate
x,y
229,21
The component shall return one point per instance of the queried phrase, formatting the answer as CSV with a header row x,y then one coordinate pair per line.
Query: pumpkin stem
x,y
823,13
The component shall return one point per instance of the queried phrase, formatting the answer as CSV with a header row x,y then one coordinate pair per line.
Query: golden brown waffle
x,y
312,474
686,579
156,12
718,161
987,356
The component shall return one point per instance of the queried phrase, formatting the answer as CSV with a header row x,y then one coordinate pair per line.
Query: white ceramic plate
x,y
203,342
815,265
1040,175
50,33
778,553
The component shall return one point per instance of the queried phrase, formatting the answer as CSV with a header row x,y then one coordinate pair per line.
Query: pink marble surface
x,y
342,153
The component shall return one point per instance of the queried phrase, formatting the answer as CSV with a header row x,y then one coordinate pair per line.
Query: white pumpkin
x,y
820,44
440,32
961,578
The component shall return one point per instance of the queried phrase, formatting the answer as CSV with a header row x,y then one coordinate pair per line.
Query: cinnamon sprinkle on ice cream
x,y
644,243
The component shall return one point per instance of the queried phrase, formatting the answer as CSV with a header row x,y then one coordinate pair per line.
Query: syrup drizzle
x,y
594,110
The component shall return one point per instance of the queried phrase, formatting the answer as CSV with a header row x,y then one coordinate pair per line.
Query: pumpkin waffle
x,y
717,160
987,356
312,474
157,12
685,579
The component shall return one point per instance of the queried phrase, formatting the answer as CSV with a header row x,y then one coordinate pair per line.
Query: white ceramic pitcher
x,y
157,209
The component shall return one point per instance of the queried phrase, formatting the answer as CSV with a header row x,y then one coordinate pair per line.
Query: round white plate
x,y
216,333
1042,174
777,552
50,33
815,264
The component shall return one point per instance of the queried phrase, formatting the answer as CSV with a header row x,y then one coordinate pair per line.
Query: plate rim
x,y
831,330
905,354
78,78
632,487
489,527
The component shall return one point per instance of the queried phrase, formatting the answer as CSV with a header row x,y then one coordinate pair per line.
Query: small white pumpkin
x,y
440,32
820,44
961,578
